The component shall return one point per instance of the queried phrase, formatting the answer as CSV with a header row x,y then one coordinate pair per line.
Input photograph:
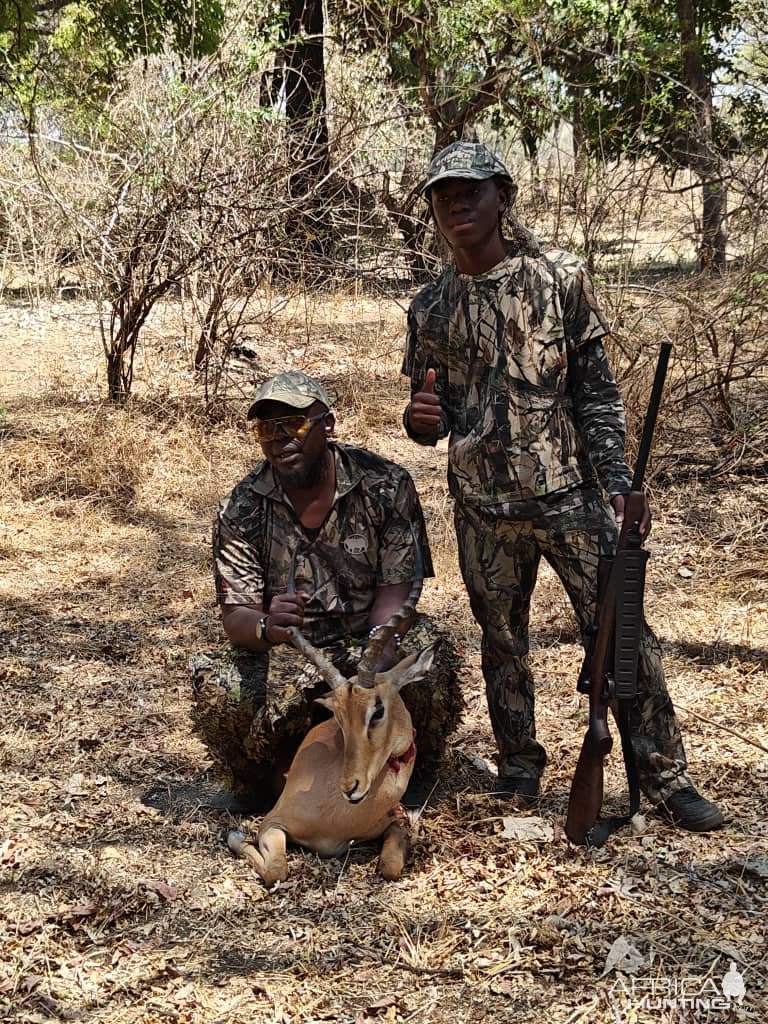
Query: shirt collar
x,y
496,273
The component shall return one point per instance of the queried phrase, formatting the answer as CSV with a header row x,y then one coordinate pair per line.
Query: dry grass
x,y
114,911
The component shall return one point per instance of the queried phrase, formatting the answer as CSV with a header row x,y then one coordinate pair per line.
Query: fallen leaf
x,y
382,1004
527,830
731,950
757,866
73,915
623,957
506,987
75,786
27,927
622,885
638,824
9,851
168,892
684,572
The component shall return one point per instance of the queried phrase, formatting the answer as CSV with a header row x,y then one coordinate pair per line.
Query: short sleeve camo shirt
x,y
367,540
528,397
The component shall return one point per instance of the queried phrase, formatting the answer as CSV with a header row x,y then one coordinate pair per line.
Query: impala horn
x,y
366,670
327,670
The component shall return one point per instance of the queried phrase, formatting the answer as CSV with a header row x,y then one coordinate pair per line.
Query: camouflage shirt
x,y
366,541
528,398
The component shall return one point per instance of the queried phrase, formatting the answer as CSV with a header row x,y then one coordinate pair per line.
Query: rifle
x,y
609,672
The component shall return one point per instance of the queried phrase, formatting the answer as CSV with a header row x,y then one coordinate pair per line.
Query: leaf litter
x,y
115,911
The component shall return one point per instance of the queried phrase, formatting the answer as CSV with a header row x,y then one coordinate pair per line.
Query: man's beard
x,y
306,474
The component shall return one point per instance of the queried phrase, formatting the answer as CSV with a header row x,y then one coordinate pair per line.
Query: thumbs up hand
x,y
424,412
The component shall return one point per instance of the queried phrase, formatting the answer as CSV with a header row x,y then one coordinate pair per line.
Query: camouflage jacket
x,y
366,541
528,398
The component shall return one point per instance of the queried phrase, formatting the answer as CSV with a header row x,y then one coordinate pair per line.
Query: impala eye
x,y
378,714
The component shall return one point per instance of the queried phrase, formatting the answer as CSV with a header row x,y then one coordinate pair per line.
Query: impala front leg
x,y
269,859
394,850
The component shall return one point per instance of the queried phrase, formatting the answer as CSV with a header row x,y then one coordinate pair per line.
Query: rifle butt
x,y
586,797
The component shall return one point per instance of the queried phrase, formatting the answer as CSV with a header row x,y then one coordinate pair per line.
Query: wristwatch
x,y
261,629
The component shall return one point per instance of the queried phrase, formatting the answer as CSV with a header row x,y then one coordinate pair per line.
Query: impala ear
x,y
328,701
410,669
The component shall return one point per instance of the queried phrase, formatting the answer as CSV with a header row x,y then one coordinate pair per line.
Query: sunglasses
x,y
285,426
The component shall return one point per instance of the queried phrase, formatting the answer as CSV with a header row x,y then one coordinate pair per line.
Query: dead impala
x,y
349,774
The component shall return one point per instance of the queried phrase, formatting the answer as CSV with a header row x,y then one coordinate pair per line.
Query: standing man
x,y
505,357
328,538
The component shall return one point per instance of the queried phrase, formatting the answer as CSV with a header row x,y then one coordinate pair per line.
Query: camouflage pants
x,y
499,562
253,710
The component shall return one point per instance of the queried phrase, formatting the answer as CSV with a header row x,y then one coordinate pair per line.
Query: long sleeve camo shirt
x,y
528,399
366,541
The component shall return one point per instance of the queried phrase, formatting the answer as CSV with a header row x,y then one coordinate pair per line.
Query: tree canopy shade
x,y
638,70
457,60
299,82
126,27
142,26
639,79
634,79
453,65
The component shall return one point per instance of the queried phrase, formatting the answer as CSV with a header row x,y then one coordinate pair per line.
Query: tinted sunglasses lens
x,y
269,430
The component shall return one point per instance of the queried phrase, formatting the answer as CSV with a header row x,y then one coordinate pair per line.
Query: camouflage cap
x,y
464,160
292,388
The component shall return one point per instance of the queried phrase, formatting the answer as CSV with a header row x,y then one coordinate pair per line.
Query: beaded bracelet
x,y
396,638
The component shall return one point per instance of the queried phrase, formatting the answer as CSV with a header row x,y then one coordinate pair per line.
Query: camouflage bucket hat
x,y
464,160
293,388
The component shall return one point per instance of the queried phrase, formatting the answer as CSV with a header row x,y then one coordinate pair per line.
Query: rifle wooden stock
x,y
586,796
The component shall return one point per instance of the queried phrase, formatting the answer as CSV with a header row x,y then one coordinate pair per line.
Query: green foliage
x,y
145,26
17,20
68,54
453,61
748,93
80,60
625,63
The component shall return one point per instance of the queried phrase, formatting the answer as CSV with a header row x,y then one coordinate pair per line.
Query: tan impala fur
x,y
347,778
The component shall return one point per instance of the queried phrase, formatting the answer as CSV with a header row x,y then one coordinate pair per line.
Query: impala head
x,y
373,719
375,722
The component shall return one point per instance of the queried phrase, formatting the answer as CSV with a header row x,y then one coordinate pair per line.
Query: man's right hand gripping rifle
x,y
609,674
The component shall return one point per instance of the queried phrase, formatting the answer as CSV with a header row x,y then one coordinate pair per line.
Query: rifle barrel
x,y
650,419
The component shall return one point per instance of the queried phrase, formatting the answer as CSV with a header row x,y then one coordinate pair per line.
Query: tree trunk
x,y
305,93
115,386
297,87
120,368
713,237
703,157
578,133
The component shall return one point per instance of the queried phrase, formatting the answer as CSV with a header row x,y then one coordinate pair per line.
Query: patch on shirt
x,y
355,544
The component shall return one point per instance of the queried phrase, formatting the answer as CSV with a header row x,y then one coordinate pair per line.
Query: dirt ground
x,y
119,901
